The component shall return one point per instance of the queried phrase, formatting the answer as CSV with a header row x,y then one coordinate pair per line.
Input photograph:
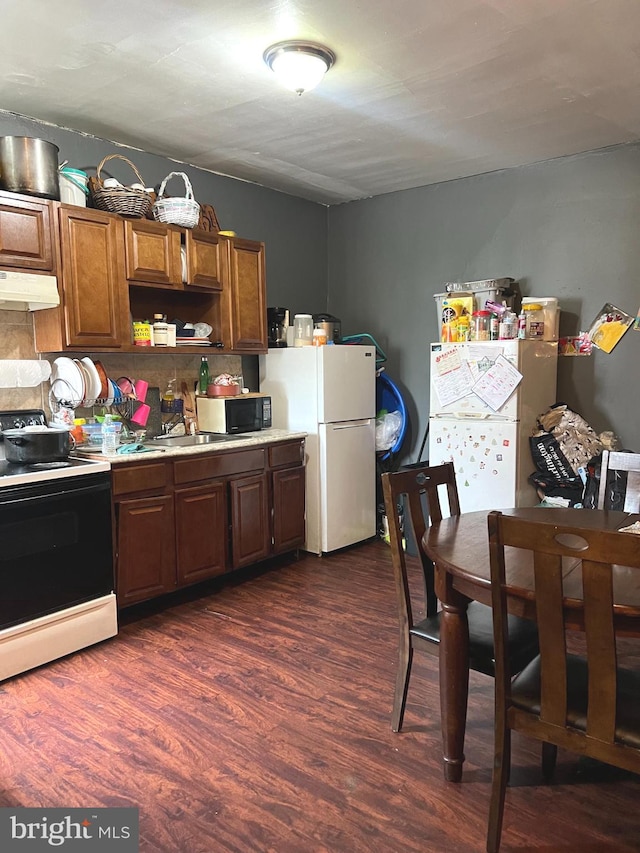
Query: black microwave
x,y
242,413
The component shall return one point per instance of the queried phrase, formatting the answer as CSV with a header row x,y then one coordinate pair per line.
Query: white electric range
x,y
56,558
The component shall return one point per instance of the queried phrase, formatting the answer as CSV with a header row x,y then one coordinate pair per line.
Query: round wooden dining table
x,y
459,549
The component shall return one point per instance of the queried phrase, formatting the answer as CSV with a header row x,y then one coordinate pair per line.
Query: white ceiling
x,y
422,91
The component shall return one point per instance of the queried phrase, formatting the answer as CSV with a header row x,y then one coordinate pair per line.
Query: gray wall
x,y
567,228
294,230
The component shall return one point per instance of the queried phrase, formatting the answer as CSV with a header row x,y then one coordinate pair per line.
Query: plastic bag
x,y
388,428
564,443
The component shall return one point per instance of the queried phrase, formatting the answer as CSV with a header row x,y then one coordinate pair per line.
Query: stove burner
x,y
49,466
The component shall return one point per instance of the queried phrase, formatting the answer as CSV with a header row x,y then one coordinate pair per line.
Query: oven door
x,y
56,546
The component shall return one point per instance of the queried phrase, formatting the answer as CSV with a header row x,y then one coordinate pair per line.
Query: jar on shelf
x,y
534,319
160,331
481,329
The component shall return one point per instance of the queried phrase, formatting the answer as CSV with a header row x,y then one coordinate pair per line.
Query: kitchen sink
x,y
189,440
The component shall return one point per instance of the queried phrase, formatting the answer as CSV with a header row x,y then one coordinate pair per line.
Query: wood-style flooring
x,y
255,719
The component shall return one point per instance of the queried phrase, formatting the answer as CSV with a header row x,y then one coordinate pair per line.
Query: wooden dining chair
x,y
586,705
417,490
615,466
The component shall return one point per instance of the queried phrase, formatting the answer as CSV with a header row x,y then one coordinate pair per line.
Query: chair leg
x,y
501,768
405,659
549,755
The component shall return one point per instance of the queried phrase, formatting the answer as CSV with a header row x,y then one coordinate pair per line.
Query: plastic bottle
x,y
203,379
534,320
507,328
168,401
522,326
319,337
109,436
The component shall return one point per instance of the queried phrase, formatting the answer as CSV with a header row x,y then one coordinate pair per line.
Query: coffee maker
x,y
277,324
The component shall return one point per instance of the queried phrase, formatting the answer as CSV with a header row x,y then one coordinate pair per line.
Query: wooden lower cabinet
x,y
288,509
250,534
182,521
201,532
145,544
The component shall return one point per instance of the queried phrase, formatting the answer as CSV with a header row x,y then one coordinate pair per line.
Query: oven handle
x,y
16,498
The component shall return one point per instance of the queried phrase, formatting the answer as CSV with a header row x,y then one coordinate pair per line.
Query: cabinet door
x,y
250,535
288,509
93,285
201,532
245,296
203,260
153,253
145,558
26,233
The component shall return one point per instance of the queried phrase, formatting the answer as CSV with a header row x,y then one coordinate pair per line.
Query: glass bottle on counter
x,y
203,378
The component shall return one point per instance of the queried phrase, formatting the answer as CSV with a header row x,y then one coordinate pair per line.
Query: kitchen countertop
x,y
239,442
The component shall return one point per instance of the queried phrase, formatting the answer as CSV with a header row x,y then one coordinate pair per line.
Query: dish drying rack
x,y
124,408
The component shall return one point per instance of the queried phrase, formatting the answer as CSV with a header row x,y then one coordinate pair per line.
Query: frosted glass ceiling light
x,y
299,65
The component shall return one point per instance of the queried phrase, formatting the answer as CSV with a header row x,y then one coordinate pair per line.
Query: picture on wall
x,y
609,326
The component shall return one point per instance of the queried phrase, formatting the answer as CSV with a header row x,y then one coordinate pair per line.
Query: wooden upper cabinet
x,y
204,264
26,233
152,252
244,296
93,287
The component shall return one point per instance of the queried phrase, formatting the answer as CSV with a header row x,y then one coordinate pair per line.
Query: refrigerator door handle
x,y
350,424
472,416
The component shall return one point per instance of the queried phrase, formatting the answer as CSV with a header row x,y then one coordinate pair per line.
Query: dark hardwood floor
x,y
256,718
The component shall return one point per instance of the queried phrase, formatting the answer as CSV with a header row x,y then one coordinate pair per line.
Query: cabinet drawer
x,y
218,465
286,454
139,478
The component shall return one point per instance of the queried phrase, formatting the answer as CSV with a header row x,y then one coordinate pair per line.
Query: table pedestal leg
x,y
454,686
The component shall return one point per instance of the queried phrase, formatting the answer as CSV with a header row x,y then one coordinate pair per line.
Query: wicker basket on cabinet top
x,y
177,211
120,199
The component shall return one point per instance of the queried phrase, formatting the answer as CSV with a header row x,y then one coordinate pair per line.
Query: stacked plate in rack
x,y
77,382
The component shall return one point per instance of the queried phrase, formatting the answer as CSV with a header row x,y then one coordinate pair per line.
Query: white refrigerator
x,y
488,442
329,392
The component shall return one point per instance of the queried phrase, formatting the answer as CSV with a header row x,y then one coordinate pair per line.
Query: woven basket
x,y
177,211
122,200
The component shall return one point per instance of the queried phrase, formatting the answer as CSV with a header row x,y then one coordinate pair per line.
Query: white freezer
x,y
312,385
535,360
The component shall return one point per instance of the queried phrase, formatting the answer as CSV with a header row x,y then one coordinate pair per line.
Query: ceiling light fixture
x,y
299,65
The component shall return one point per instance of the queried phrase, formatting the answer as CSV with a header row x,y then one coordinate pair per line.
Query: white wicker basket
x,y
177,211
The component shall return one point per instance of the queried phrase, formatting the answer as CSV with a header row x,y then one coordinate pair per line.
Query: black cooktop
x,y
12,473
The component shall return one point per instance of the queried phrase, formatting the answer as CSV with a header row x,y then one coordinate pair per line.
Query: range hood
x,y
27,292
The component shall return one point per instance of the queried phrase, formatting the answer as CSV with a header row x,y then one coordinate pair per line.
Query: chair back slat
x,y
597,594
551,634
